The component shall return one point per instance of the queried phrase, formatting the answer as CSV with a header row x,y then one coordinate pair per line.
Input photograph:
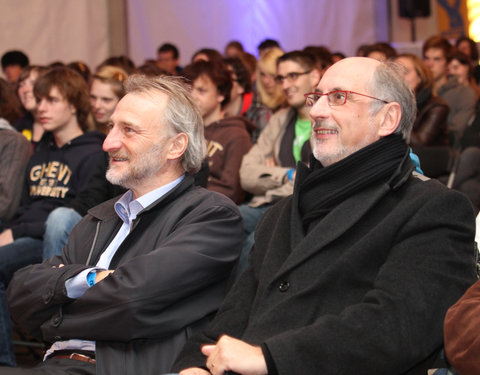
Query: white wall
x,y
50,30
193,24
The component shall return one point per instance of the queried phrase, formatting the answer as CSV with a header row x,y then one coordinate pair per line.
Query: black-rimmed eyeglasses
x,y
335,98
291,77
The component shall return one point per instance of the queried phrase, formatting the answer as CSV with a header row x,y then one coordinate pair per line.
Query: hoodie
x,y
227,141
54,175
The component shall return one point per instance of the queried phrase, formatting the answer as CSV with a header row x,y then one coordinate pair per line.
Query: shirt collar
x,y
127,208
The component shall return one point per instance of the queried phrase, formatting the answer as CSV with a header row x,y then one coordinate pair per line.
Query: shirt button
x,y
284,286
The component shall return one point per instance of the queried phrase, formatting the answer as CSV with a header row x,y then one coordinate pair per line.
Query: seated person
x,y
355,271
29,125
106,90
58,169
228,138
243,101
268,169
15,151
143,272
430,127
460,98
12,64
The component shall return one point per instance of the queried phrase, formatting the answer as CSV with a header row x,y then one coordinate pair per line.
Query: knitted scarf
x,y
320,188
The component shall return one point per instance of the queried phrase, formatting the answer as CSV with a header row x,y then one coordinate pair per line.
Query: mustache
x,y
319,124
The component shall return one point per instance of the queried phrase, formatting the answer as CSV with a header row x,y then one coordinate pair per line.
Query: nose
x,y
41,105
113,141
94,103
320,109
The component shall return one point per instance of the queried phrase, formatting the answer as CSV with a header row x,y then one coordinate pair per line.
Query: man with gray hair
x,y
352,274
142,273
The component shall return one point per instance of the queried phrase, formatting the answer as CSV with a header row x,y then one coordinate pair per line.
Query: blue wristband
x,y
91,278
290,173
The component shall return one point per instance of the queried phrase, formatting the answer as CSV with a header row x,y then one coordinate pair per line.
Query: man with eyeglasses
x,y
268,169
352,274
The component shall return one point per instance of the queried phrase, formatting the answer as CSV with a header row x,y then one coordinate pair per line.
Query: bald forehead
x,y
352,73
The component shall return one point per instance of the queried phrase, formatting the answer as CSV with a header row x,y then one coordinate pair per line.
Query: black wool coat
x,y
364,292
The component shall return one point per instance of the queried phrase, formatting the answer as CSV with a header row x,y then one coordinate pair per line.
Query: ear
x,y
73,109
220,98
177,146
315,77
391,119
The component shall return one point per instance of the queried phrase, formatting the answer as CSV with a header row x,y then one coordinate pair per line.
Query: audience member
x,y
380,51
29,125
142,273
151,69
59,168
469,48
271,94
228,138
250,63
168,58
266,45
355,271
15,151
337,56
105,92
461,332
461,99
234,49
460,66
207,54
430,127
81,68
123,62
268,170
12,64
323,57
243,101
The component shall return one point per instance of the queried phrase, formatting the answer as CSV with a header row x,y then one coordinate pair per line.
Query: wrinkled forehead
x,y
352,74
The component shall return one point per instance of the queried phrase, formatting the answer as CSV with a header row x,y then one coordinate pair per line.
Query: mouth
x,y
43,120
118,159
324,133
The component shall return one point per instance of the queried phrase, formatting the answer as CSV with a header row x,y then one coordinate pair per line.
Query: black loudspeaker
x,y
414,8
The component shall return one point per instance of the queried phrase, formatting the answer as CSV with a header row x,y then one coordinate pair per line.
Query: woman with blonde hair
x,y
430,126
106,90
271,94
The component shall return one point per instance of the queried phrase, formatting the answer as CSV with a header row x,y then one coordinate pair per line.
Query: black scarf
x,y
319,189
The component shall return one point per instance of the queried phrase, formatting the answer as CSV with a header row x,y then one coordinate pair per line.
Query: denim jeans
x,y
59,224
22,252
250,216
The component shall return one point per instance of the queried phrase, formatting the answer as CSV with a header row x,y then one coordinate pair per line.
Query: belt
x,y
90,357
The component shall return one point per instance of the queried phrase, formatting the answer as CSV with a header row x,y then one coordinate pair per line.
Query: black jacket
x,y
171,273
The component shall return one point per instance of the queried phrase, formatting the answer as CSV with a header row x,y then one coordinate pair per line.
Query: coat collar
x,y
342,218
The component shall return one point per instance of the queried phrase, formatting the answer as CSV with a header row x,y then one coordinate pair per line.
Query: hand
x,y
6,237
194,371
270,162
230,354
100,275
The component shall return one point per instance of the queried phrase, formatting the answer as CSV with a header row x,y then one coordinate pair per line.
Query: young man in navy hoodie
x,y
59,168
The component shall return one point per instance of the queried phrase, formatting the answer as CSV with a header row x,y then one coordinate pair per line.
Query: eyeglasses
x,y
291,77
335,98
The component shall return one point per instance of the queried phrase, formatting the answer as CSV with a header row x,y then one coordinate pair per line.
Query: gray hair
x,y
181,114
388,84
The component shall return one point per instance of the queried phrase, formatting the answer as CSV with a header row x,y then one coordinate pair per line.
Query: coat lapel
x,y
334,225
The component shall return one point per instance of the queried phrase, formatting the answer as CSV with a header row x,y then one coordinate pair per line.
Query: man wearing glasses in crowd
x,y
355,271
268,169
